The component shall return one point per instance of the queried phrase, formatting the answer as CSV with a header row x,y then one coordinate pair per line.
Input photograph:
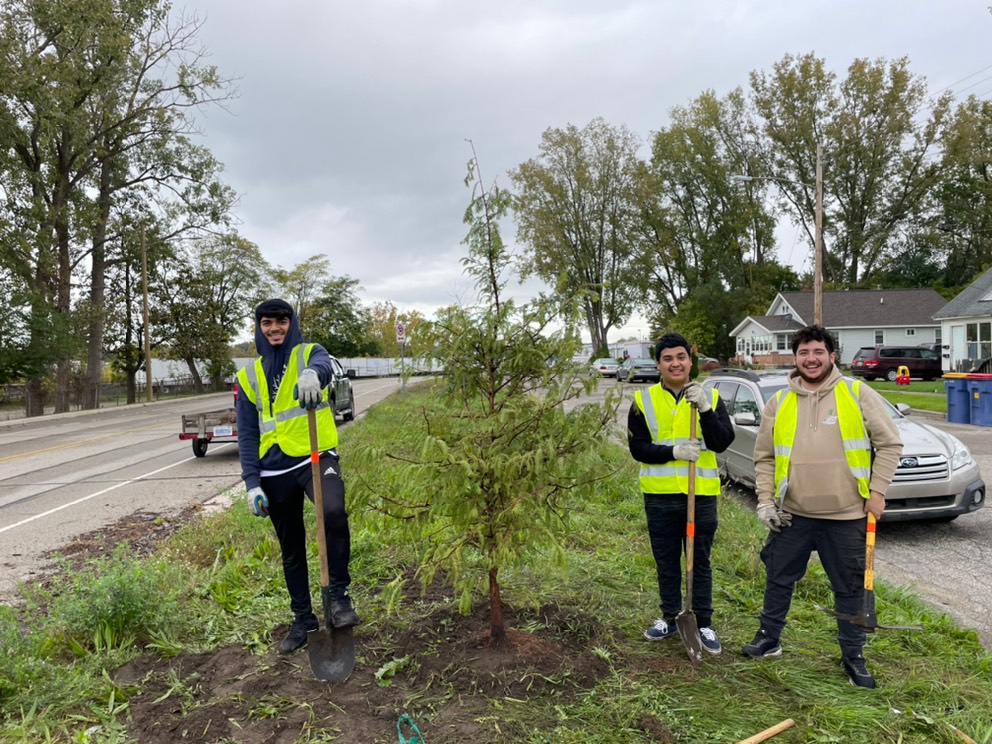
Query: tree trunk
x,y
195,373
497,626
97,318
34,399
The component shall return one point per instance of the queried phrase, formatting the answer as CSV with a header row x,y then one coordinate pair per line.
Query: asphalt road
x,y
64,476
68,475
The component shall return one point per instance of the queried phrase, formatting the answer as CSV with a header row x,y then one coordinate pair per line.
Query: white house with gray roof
x,y
966,325
856,317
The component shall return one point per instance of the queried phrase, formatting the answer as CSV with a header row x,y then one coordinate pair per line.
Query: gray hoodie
x,y
821,484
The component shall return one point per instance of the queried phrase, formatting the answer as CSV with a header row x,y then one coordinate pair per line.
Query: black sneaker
x,y
296,638
710,642
762,646
858,673
343,613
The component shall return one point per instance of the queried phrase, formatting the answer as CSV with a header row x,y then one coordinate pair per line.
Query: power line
x,y
968,77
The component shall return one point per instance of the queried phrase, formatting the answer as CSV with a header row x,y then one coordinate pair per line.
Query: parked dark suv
x,y
884,361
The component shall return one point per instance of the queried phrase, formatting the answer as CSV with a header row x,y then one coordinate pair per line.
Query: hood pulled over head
x,y
274,358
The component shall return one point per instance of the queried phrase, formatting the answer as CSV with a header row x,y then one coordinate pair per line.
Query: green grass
x,y
218,583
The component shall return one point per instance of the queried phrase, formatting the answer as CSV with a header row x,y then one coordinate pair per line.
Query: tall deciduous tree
x,y
96,101
878,132
203,299
575,212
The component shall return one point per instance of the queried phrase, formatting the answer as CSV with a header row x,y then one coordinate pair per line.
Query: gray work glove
x,y
773,518
307,389
688,450
258,502
698,397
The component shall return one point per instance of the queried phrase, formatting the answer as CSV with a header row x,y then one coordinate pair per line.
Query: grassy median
x,y
578,672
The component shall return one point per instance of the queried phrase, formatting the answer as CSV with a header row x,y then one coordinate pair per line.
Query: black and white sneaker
x,y
857,672
710,642
762,646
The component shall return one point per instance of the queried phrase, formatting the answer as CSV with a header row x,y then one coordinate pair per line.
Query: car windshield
x,y
642,362
866,351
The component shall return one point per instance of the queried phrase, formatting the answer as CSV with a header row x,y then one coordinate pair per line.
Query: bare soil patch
x,y
442,671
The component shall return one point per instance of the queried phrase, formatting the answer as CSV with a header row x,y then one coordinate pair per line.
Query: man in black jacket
x,y
658,428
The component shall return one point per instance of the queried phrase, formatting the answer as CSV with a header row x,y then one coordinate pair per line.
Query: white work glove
x,y
695,394
773,517
688,450
258,502
307,389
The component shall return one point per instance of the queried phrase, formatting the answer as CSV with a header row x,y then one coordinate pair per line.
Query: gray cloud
x,y
348,137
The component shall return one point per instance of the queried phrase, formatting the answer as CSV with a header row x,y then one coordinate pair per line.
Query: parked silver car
x,y
937,477
633,370
604,367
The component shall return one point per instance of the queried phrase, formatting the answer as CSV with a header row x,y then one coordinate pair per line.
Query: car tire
x,y
349,415
870,378
891,375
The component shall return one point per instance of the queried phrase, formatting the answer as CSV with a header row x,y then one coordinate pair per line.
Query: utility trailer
x,y
212,426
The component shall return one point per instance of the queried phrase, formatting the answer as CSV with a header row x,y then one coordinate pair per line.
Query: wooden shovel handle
x,y
318,499
768,733
690,520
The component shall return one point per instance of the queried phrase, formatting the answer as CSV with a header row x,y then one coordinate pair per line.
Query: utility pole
x,y
148,335
818,259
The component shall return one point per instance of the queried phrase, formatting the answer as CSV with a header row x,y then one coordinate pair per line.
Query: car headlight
x,y
961,456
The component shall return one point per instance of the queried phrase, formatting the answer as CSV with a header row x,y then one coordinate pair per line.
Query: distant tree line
x,y
907,181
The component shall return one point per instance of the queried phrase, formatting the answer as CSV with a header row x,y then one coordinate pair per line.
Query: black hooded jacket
x,y
274,363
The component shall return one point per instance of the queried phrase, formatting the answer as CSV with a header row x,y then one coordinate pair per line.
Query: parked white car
x,y
937,477
604,367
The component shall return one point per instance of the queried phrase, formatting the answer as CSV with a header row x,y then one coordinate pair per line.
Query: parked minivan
x,y
884,361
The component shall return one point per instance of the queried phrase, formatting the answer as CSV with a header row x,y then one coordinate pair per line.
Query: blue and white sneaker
x,y
661,630
710,642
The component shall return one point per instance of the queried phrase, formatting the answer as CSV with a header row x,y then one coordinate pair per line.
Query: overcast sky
x,y
348,134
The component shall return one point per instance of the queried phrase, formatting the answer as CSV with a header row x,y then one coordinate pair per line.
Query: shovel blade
x,y
332,653
689,632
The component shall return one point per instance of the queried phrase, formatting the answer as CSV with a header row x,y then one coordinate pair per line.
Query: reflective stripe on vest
x,y
668,423
284,422
850,422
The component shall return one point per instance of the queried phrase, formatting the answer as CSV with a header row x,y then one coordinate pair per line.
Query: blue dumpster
x,y
980,394
958,403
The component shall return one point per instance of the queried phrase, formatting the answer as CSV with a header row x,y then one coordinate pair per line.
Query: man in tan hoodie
x,y
825,455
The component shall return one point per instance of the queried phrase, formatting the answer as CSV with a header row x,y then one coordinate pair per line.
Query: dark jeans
x,y
666,515
841,547
285,492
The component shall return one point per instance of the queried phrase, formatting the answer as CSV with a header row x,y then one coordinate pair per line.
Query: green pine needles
x,y
502,451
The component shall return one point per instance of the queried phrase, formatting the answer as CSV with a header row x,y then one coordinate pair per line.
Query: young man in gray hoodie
x,y
826,452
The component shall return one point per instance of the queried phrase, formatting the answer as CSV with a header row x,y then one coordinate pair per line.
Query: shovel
x,y
866,617
686,620
331,650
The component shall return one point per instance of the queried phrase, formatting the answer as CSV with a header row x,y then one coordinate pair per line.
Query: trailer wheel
x,y
200,447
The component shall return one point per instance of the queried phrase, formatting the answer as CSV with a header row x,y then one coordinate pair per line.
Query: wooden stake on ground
x,y
768,733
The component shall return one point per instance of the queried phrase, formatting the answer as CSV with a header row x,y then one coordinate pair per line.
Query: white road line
x,y
376,390
94,495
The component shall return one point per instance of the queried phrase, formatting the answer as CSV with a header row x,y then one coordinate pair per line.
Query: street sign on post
x,y
400,333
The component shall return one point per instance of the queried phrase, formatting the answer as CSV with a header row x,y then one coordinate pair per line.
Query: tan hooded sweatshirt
x,y
821,484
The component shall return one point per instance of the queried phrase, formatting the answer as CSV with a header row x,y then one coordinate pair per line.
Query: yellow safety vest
x,y
285,423
857,447
668,423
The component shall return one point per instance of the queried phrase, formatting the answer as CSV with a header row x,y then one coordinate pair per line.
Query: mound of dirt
x,y
442,672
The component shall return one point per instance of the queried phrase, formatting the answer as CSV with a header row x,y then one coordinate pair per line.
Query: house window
x,y
879,337
781,342
936,337
910,331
